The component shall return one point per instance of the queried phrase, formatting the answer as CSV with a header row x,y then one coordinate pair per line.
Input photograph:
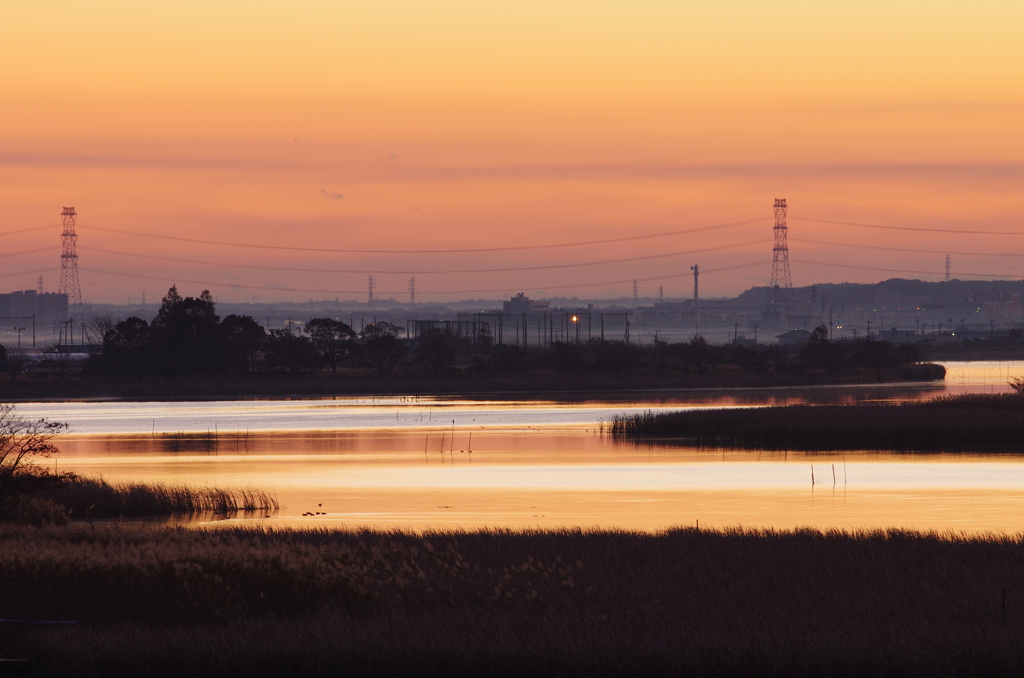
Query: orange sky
x,y
411,125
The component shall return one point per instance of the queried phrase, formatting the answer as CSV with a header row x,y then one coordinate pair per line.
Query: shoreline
x,y
299,388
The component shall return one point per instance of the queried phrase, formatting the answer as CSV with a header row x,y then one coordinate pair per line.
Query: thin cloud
x,y
332,195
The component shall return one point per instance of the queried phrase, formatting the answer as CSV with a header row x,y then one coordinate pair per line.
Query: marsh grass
x,y
950,423
257,602
88,498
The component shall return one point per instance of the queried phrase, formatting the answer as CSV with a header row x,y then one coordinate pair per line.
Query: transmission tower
x,y
947,268
372,285
696,274
636,297
781,281
661,294
69,283
412,291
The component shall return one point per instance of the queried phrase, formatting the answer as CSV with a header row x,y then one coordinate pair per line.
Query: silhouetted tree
x,y
818,352
288,351
484,338
437,352
127,350
381,347
331,339
185,334
22,442
245,340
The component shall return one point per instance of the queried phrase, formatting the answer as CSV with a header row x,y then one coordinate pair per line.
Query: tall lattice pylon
x,y
69,283
781,281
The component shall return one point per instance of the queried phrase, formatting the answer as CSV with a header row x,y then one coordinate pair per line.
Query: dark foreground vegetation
x,y
188,351
252,602
948,423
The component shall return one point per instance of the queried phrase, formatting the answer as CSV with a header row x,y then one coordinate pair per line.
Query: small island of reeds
x,y
969,422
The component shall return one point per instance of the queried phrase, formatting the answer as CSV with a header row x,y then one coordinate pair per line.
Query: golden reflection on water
x,y
392,462
570,477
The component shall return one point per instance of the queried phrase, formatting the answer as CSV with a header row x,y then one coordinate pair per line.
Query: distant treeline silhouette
x,y
188,337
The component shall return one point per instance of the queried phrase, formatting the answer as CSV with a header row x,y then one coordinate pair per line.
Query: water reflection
x,y
538,462
572,477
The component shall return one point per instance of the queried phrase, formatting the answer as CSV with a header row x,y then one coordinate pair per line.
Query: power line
x,y
214,284
49,248
34,271
905,270
26,230
581,243
377,292
505,269
906,249
909,228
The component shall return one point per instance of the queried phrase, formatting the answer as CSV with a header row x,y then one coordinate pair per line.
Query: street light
x,y
20,330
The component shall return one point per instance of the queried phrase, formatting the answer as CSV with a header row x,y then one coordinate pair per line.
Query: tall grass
x,y
96,498
255,602
965,422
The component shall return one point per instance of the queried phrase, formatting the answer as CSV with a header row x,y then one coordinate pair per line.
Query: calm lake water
x,y
402,462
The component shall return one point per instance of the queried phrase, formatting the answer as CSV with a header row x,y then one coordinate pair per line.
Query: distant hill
x,y
895,292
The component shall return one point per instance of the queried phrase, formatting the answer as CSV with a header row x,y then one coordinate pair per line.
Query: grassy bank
x,y
356,383
259,603
949,423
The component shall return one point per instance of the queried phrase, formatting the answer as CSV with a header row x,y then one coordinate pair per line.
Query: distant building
x,y
45,307
793,337
523,304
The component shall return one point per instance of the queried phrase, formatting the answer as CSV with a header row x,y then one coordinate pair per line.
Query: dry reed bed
x,y
949,423
96,498
268,603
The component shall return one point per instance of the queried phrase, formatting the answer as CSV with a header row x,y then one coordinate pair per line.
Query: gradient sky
x,y
444,124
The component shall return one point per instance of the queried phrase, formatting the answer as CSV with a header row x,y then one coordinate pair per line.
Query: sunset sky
x,y
397,125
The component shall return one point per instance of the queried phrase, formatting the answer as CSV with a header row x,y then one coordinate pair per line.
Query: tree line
x,y
188,337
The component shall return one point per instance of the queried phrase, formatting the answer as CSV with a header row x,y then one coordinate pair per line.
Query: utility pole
x,y
20,330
